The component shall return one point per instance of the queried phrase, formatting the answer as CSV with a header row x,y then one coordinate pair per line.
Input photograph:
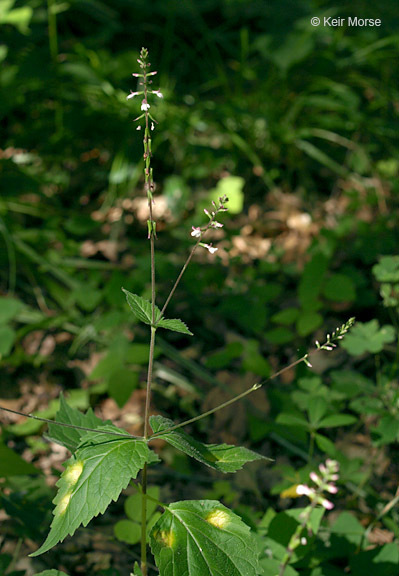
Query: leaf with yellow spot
x,y
101,468
204,538
222,457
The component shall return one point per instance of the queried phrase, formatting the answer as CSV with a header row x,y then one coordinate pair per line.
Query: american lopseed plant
x,y
201,537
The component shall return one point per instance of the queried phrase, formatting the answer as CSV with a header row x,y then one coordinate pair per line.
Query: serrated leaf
x,y
137,570
222,457
203,538
70,437
175,325
141,308
95,476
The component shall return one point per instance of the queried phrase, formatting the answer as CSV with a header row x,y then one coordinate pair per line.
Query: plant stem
x,y
151,235
179,277
229,402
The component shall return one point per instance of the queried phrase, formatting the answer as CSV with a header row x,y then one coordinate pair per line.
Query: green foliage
x,y
98,461
11,464
368,337
203,537
51,573
143,310
129,531
220,457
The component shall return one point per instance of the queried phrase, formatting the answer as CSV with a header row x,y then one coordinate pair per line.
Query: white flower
x,y
145,106
158,93
210,248
132,95
304,490
196,232
216,224
138,128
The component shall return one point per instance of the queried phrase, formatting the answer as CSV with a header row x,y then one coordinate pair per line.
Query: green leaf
x,y
203,538
133,507
387,269
7,339
121,383
220,457
232,187
101,468
308,322
292,420
340,288
379,561
286,316
368,337
127,531
175,325
317,408
11,464
142,308
311,281
70,437
137,570
9,308
51,573
336,420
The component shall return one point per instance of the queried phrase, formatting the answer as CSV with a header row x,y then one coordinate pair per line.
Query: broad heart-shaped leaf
x,y
142,308
100,469
70,437
203,538
175,325
220,457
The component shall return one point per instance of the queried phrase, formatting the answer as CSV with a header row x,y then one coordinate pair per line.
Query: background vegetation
x,y
298,125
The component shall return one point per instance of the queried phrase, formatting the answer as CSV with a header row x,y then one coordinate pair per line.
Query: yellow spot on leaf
x,y
218,518
72,473
63,504
165,537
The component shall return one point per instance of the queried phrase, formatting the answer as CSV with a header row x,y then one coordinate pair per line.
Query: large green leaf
x,y
220,457
203,538
70,437
141,308
101,468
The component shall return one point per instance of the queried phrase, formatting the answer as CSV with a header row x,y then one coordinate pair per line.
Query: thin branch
x,y
66,425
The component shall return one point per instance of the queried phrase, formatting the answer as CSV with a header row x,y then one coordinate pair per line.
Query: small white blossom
x,y
304,490
158,93
196,232
138,128
152,126
145,106
210,248
132,94
216,224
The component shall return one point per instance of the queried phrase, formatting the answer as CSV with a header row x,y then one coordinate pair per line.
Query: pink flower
x,y
327,504
314,477
331,488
